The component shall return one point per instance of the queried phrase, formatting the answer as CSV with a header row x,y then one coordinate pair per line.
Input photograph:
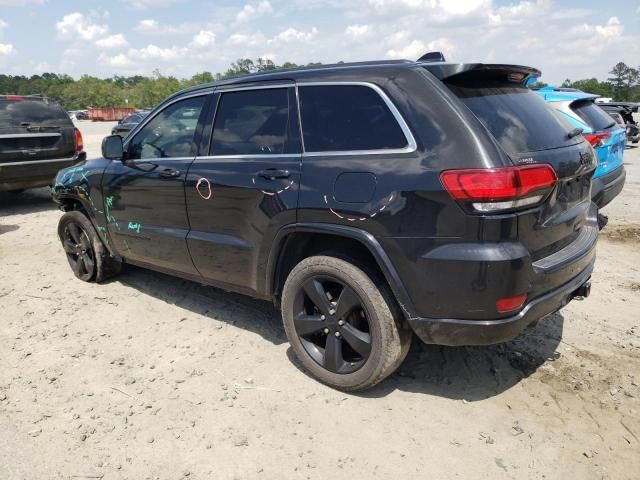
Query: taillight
x,y
510,304
504,188
79,142
13,98
597,139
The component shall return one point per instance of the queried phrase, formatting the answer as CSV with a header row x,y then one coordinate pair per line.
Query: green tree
x,y
618,79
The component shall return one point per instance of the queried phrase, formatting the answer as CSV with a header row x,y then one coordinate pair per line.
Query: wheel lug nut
x,y
331,312
341,322
337,334
326,330
322,317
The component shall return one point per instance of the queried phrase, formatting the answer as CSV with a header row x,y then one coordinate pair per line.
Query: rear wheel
x,y
340,325
86,254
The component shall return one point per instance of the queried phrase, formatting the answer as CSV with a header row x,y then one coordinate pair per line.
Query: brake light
x,y
79,142
13,98
494,189
509,304
597,139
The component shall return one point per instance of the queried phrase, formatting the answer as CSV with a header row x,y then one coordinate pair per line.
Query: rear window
x,y
518,118
592,114
338,118
34,111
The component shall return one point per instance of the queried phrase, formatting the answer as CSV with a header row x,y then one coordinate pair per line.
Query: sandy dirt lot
x,y
152,377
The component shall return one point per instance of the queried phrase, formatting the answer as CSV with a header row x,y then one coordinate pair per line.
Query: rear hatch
x,y
530,132
34,128
608,138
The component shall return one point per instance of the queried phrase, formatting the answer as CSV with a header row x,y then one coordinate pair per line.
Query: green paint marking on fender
x,y
134,226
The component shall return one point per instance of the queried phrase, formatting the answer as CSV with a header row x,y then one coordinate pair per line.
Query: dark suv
x,y
37,138
368,200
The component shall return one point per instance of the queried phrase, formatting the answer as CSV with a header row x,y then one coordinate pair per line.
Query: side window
x,y
347,117
254,122
170,133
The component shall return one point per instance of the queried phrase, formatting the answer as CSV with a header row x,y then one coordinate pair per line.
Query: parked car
x,y
37,139
124,126
367,200
623,114
604,134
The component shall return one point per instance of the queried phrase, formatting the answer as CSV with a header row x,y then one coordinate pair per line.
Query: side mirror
x,y
112,147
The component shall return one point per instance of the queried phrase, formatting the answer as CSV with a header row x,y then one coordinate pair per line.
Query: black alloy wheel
x,y
332,324
77,246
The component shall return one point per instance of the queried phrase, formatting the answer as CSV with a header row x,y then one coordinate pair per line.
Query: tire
x,y
369,344
87,256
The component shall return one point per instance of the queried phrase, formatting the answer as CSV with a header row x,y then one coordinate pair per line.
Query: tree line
x,y
623,84
118,91
139,91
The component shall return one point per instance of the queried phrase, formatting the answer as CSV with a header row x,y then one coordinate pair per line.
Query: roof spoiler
x,y
512,73
432,57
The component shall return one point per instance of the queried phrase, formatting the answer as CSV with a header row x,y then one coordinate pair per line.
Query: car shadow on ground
x,y
461,373
475,373
29,201
244,312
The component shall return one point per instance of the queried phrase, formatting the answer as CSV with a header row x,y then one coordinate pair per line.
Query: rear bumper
x,y
550,283
606,188
33,173
458,332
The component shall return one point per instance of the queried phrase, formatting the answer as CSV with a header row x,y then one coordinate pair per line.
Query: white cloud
x,y
250,12
243,40
6,50
358,32
3,24
76,26
113,41
144,4
150,26
20,3
416,48
203,39
292,35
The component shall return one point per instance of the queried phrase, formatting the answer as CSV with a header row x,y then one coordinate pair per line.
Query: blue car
x,y
605,135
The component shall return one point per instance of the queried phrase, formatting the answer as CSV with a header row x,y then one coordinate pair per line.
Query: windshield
x,y
34,111
592,114
518,118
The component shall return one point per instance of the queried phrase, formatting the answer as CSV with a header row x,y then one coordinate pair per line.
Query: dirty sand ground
x,y
150,376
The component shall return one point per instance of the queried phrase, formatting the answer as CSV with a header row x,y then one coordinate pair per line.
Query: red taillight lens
x,y
509,304
79,142
13,98
597,139
498,184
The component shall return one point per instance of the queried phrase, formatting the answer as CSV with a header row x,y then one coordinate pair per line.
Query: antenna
x,y
432,57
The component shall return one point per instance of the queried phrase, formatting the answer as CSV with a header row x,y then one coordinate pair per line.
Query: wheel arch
x,y
287,251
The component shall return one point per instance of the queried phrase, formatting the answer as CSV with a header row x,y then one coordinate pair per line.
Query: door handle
x,y
169,173
272,174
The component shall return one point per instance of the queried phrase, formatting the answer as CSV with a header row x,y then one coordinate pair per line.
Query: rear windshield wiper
x,y
575,132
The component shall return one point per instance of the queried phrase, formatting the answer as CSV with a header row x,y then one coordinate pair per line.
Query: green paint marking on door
x,y
134,226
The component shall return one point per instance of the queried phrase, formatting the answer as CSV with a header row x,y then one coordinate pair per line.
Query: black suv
x,y
368,200
37,138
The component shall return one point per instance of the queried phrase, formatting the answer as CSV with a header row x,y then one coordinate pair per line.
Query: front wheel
x,y
85,252
340,325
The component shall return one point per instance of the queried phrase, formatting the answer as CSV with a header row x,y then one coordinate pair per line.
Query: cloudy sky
x,y
564,38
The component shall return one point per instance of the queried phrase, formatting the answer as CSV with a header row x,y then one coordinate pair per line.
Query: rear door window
x,y
339,118
35,111
517,117
255,122
593,115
